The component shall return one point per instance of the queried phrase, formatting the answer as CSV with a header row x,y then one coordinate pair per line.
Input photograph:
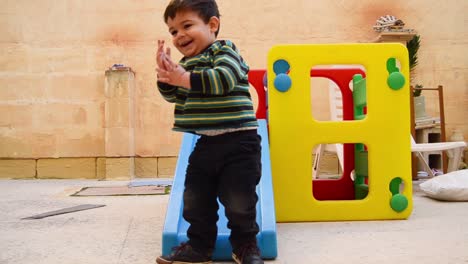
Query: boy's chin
x,y
189,52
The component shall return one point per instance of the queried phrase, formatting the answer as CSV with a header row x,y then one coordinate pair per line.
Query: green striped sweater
x,y
219,97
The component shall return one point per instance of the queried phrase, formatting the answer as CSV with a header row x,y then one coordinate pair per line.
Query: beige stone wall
x,y
54,54
124,168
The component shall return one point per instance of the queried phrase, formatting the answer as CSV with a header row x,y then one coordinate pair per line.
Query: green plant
x,y
417,91
413,48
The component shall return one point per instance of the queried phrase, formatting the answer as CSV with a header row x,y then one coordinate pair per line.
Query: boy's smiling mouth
x,y
185,44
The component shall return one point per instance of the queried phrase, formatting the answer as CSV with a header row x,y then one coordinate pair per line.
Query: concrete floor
x,y
128,230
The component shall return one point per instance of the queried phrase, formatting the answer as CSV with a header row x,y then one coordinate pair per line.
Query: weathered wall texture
x,y
54,54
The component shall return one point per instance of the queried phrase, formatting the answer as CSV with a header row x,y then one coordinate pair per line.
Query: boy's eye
x,y
173,33
187,26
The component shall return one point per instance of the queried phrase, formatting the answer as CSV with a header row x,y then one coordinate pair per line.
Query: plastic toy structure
x,y
382,187
325,189
375,132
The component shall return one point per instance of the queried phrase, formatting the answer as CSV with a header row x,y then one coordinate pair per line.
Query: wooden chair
x,y
452,150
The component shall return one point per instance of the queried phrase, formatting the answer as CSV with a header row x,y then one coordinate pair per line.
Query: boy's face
x,y
190,34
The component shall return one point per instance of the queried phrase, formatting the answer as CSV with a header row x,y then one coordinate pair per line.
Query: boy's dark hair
x,y
205,9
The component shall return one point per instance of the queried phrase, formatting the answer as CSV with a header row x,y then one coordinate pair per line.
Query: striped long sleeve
x,y
229,70
219,96
167,91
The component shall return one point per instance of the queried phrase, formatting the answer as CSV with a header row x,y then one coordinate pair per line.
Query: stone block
x,y
79,87
44,145
17,169
64,59
11,30
66,168
145,113
93,114
116,168
17,116
146,142
13,57
146,167
100,57
81,142
119,84
64,114
15,144
166,167
49,115
119,142
101,168
22,87
118,111
160,141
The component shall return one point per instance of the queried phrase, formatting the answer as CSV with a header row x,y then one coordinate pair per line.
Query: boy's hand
x,y
173,74
161,55
168,71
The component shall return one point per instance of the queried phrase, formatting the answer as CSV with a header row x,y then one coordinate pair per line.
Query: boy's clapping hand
x,y
161,55
168,71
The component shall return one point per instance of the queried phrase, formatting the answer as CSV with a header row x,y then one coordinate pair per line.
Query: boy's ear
x,y
214,24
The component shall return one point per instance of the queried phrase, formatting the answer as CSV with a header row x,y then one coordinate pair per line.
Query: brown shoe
x,y
184,254
247,254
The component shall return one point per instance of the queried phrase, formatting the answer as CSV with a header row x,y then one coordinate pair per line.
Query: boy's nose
x,y
180,38
180,34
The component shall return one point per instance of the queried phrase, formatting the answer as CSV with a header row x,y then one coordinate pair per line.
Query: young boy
x,y
210,90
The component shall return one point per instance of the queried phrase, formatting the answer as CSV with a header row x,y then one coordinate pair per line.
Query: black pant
x,y
227,167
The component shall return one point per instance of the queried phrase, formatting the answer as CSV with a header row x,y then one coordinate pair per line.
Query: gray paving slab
x,y
128,230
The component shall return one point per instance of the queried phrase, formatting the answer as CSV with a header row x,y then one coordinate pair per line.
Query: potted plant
x,y
419,100
413,48
419,103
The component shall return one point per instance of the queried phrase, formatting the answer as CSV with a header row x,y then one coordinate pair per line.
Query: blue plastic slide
x,y
175,227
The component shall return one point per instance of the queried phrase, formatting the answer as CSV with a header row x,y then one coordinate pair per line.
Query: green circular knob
x,y
396,80
398,203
